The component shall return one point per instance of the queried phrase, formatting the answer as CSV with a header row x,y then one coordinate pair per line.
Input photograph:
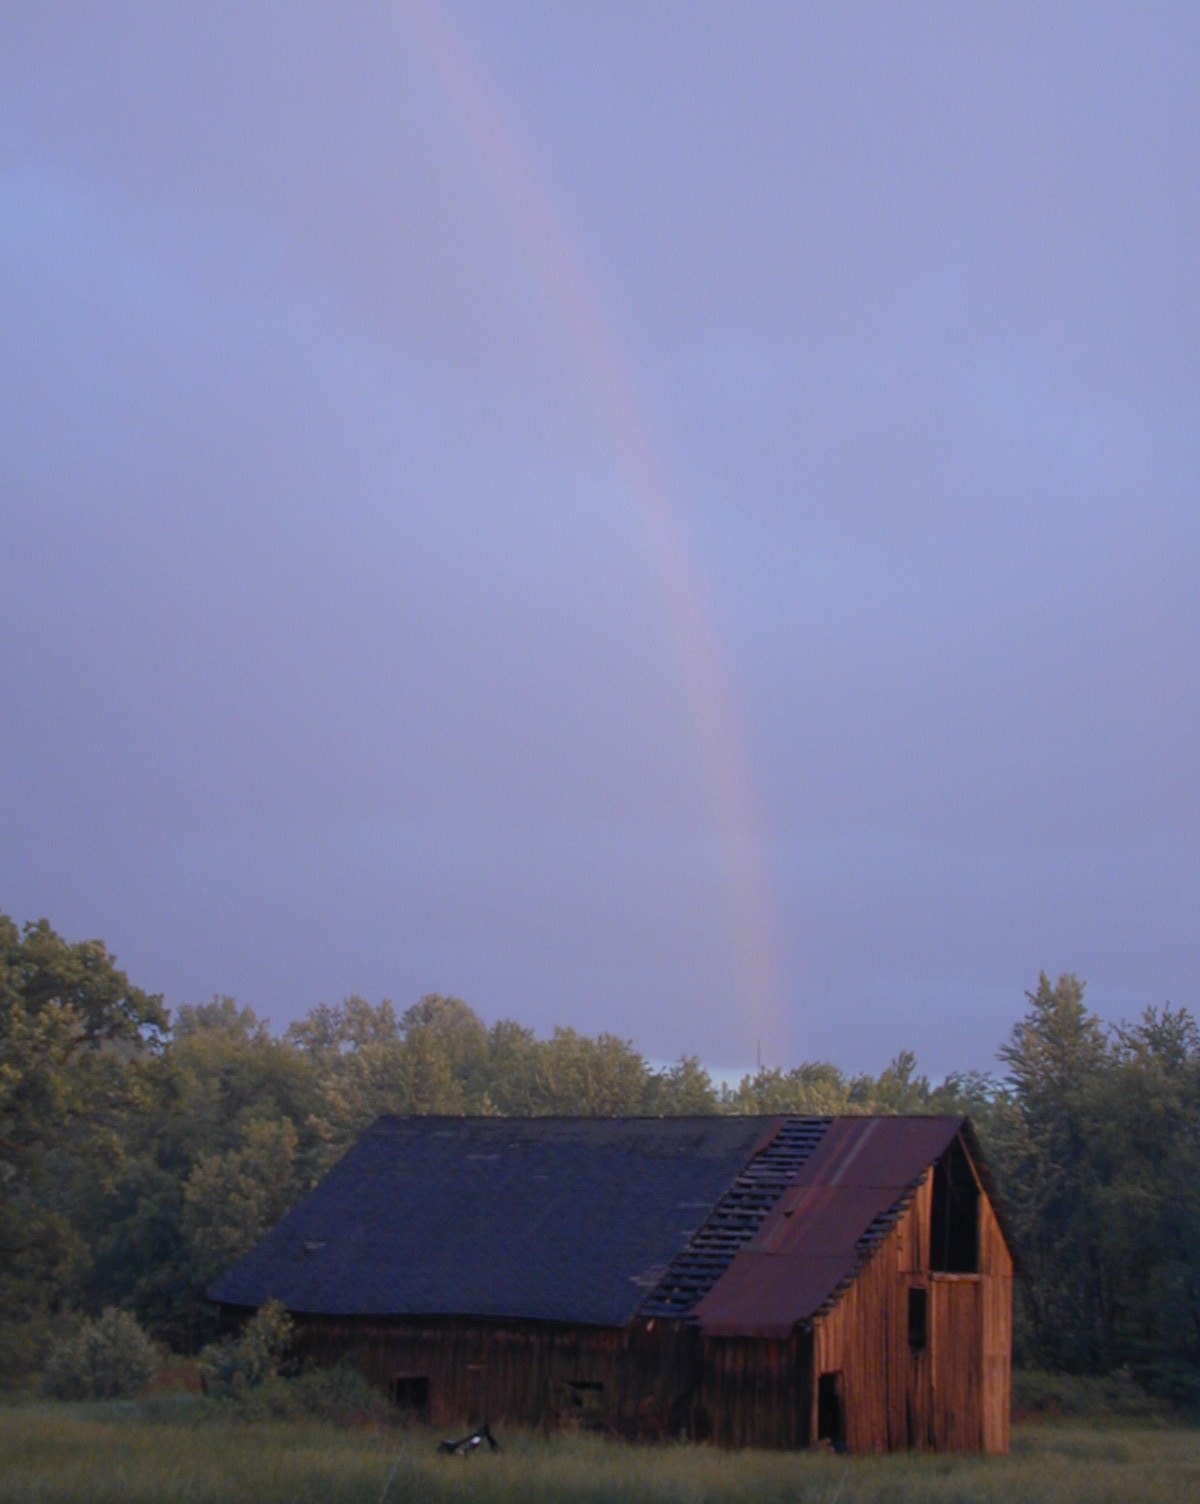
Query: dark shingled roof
x,y
571,1220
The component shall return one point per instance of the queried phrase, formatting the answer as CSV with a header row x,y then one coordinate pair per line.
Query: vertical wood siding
x,y
527,1374
996,1263
757,1392
956,1331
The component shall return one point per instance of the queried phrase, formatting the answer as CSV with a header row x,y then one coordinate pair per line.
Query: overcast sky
x,y
674,519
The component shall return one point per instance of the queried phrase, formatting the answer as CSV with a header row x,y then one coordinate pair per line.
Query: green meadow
x,y
187,1449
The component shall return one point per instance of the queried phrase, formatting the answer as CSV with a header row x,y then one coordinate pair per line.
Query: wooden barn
x,y
779,1282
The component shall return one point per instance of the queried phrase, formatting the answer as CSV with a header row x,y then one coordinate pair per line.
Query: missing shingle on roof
x,y
648,1278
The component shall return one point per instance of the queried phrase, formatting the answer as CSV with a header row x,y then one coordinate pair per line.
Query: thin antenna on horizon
x,y
758,1053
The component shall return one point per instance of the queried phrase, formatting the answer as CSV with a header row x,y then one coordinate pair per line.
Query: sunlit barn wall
x,y
954,1393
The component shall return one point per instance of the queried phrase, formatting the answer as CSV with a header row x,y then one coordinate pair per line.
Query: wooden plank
x,y
957,1331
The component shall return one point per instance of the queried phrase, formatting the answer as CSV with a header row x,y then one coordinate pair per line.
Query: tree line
x,y
141,1154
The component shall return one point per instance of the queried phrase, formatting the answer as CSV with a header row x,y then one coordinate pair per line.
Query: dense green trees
x,y
137,1159
76,1040
1095,1136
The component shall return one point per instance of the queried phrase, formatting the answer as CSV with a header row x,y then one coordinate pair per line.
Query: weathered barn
x,y
774,1281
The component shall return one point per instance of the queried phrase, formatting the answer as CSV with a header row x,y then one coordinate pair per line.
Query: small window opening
x,y
954,1216
918,1318
410,1391
585,1394
831,1420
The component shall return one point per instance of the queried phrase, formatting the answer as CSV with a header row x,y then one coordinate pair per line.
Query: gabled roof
x,y
746,1226
553,1219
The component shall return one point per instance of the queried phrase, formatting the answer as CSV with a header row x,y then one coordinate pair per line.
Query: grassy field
x,y
182,1448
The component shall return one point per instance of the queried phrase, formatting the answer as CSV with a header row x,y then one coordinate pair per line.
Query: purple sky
x,y
337,654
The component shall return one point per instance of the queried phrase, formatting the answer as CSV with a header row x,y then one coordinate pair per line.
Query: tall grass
x,y
184,1449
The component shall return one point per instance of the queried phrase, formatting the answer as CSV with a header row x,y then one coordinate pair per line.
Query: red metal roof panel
x,y
760,1292
823,1220
811,1242
878,1151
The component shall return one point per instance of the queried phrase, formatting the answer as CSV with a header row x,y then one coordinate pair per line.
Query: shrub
x,y
109,1358
261,1352
1172,1380
341,1393
257,1369
1037,1392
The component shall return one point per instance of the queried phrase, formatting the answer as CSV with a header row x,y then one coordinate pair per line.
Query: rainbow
x,y
760,1009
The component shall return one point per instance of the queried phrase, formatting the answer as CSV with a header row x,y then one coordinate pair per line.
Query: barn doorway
x,y
831,1415
410,1393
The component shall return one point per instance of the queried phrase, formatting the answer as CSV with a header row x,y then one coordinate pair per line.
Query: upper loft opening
x,y
954,1215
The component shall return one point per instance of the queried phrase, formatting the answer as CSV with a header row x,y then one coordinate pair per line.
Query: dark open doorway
x,y
831,1417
